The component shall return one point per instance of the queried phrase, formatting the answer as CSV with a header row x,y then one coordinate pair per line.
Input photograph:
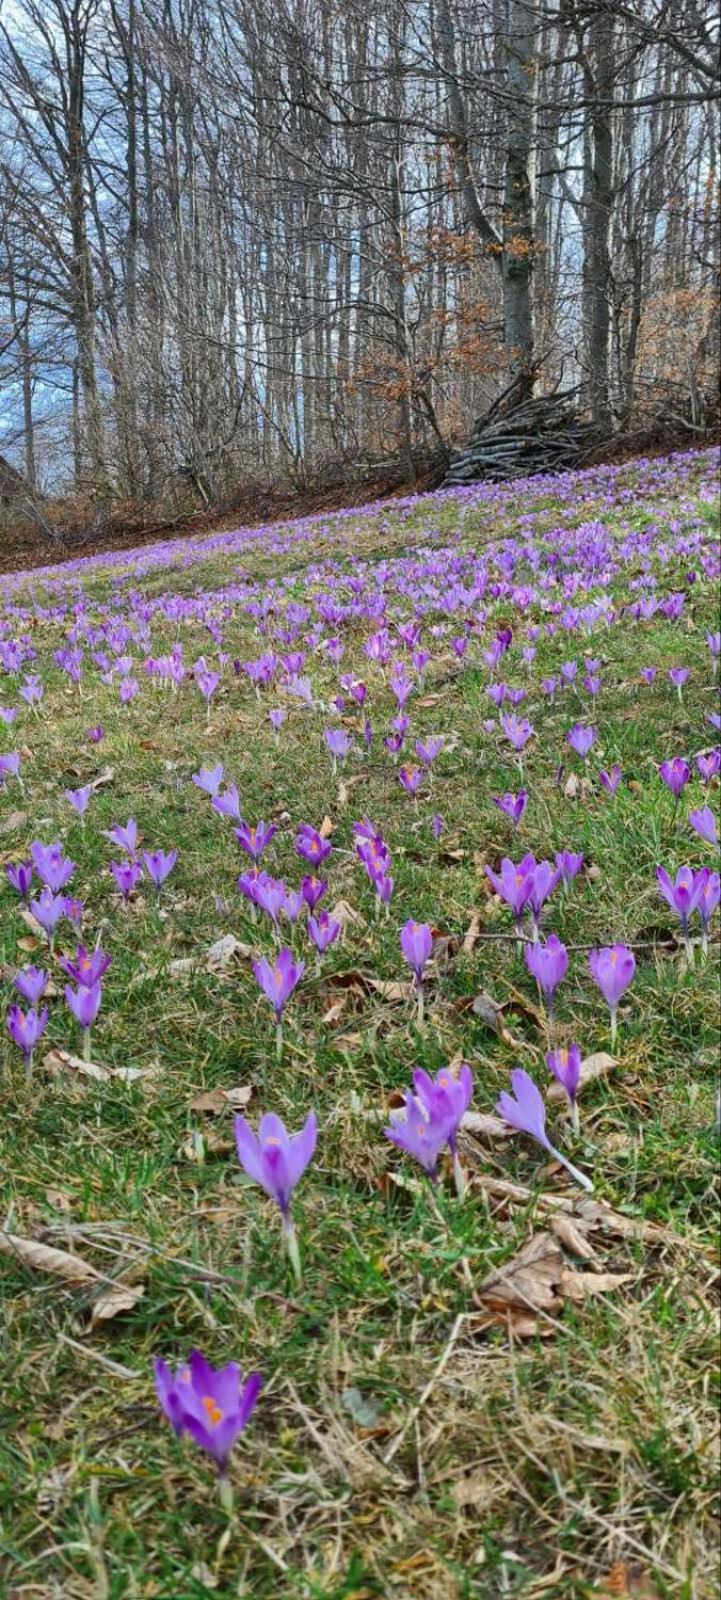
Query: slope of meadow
x,y
419,1432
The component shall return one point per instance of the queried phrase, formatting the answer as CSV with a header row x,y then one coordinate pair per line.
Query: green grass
x,y
534,1464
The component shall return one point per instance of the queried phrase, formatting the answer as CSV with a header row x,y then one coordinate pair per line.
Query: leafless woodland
x,y
266,240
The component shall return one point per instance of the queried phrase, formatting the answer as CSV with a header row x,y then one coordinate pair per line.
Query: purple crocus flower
x,y
158,865
513,885
53,868
313,890
612,968
423,1132
211,1404
611,780
569,865
581,739
429,749
268,894
49,909
79,799
517,731
446,1099
276,1160
20,876
209,779
126,875
524,1110
88,967
74,910
565,1065
417,944
255,839
278,982
228,804
125,837
323,930
338,743
548,964
94,735
31,983
678,676
311,846
709,766
682,894
648,674
542,880
675,774
85,1005
703,821
410,779
25,1028
512,805
128,690
10,767
437,825
276,718
708,899
713,641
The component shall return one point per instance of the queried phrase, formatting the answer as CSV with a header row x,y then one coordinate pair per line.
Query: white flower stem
x,y
291,1245
225,1494
459,1176
579,1177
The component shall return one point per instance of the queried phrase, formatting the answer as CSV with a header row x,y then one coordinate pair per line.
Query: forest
x,y
302,243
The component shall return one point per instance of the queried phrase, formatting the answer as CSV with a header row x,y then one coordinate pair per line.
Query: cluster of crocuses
x,y
85,969
691,892
213,1406
157,864
527,886
374,854
54,870
271,896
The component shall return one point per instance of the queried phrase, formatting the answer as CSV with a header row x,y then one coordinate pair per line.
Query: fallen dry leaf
x,y
344,913
394,989
121,1297
492,1014
44,1258
532,1288
595,1216
224,951
345,786
477,1490
334,1012
578,1285
13,822
57,1061
573,1239
200,1145
105,777
215,1101
485,1124
326,828
524,1286
592,1067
